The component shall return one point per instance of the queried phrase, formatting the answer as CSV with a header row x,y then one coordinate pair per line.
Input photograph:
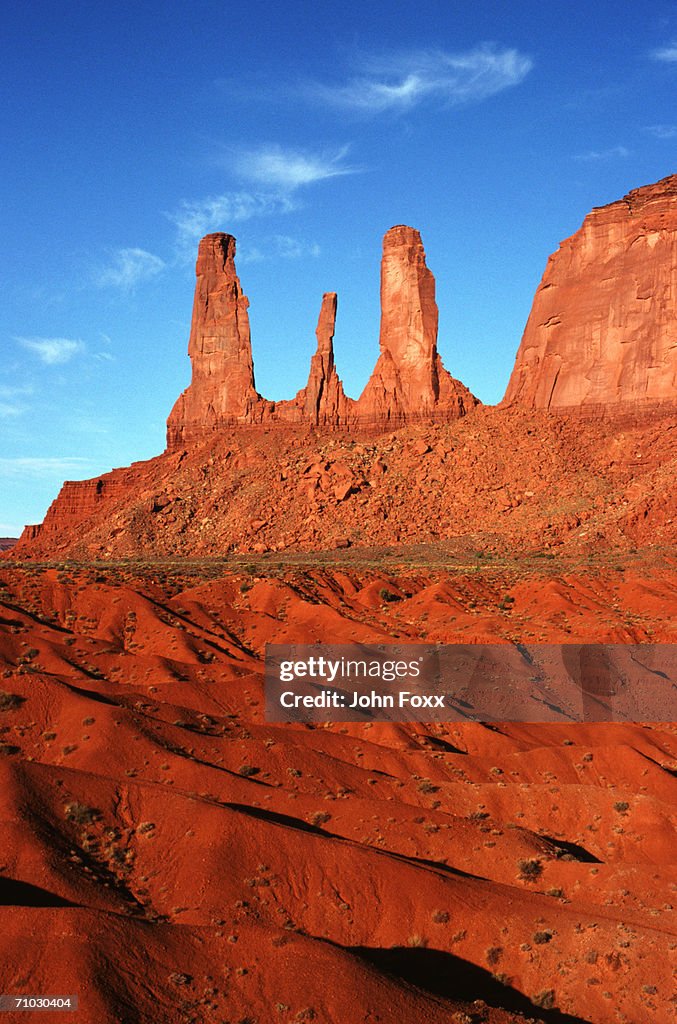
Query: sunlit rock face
x,y
409,380
603,326
222,389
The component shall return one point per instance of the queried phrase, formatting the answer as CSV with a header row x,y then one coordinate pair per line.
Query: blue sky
x,y
306,130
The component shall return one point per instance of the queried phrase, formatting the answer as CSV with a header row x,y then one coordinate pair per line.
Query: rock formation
x,y
222,390
323,402
408,384
603,327
409,380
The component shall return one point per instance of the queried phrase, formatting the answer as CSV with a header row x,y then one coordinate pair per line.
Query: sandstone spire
x,y
409,380
222,389
603,326
408,383
324,402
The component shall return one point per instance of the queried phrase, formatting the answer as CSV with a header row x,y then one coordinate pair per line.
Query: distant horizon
x,y
306,135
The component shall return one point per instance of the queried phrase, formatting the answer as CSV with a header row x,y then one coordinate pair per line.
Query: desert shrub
x,y
530,869
81,814
10,701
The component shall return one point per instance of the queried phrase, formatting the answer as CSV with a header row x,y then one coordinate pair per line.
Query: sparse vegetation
x,y
530,869
545,1000
10,701
81,814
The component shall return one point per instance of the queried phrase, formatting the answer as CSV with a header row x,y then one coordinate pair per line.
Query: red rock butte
x,y
409,382
603,327
245,473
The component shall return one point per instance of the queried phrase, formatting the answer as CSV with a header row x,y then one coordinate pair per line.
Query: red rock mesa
x,y
603,326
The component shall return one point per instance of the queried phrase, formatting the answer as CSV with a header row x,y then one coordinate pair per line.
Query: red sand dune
x,y
169,856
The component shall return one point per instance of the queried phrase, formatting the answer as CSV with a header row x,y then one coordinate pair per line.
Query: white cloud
x,y
11,400
603,154
293,249
401,81
8,409
44,466
129,268
662,131
52,351
288,169
668,54
279,247
199,217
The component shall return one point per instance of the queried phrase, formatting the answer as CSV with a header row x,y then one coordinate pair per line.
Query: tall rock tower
x,y
409,380
222,390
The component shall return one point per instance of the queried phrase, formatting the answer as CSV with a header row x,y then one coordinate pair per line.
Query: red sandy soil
x,y
171,857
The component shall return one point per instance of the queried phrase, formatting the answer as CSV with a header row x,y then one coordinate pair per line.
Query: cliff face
x,y
603,326
409,382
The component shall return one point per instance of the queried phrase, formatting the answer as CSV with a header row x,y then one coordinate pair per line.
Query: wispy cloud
x,y
129,267
47,466
401,81
668,54
52,351
8,409
289,169
11,400
662,131
195,218
603,154
279,247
